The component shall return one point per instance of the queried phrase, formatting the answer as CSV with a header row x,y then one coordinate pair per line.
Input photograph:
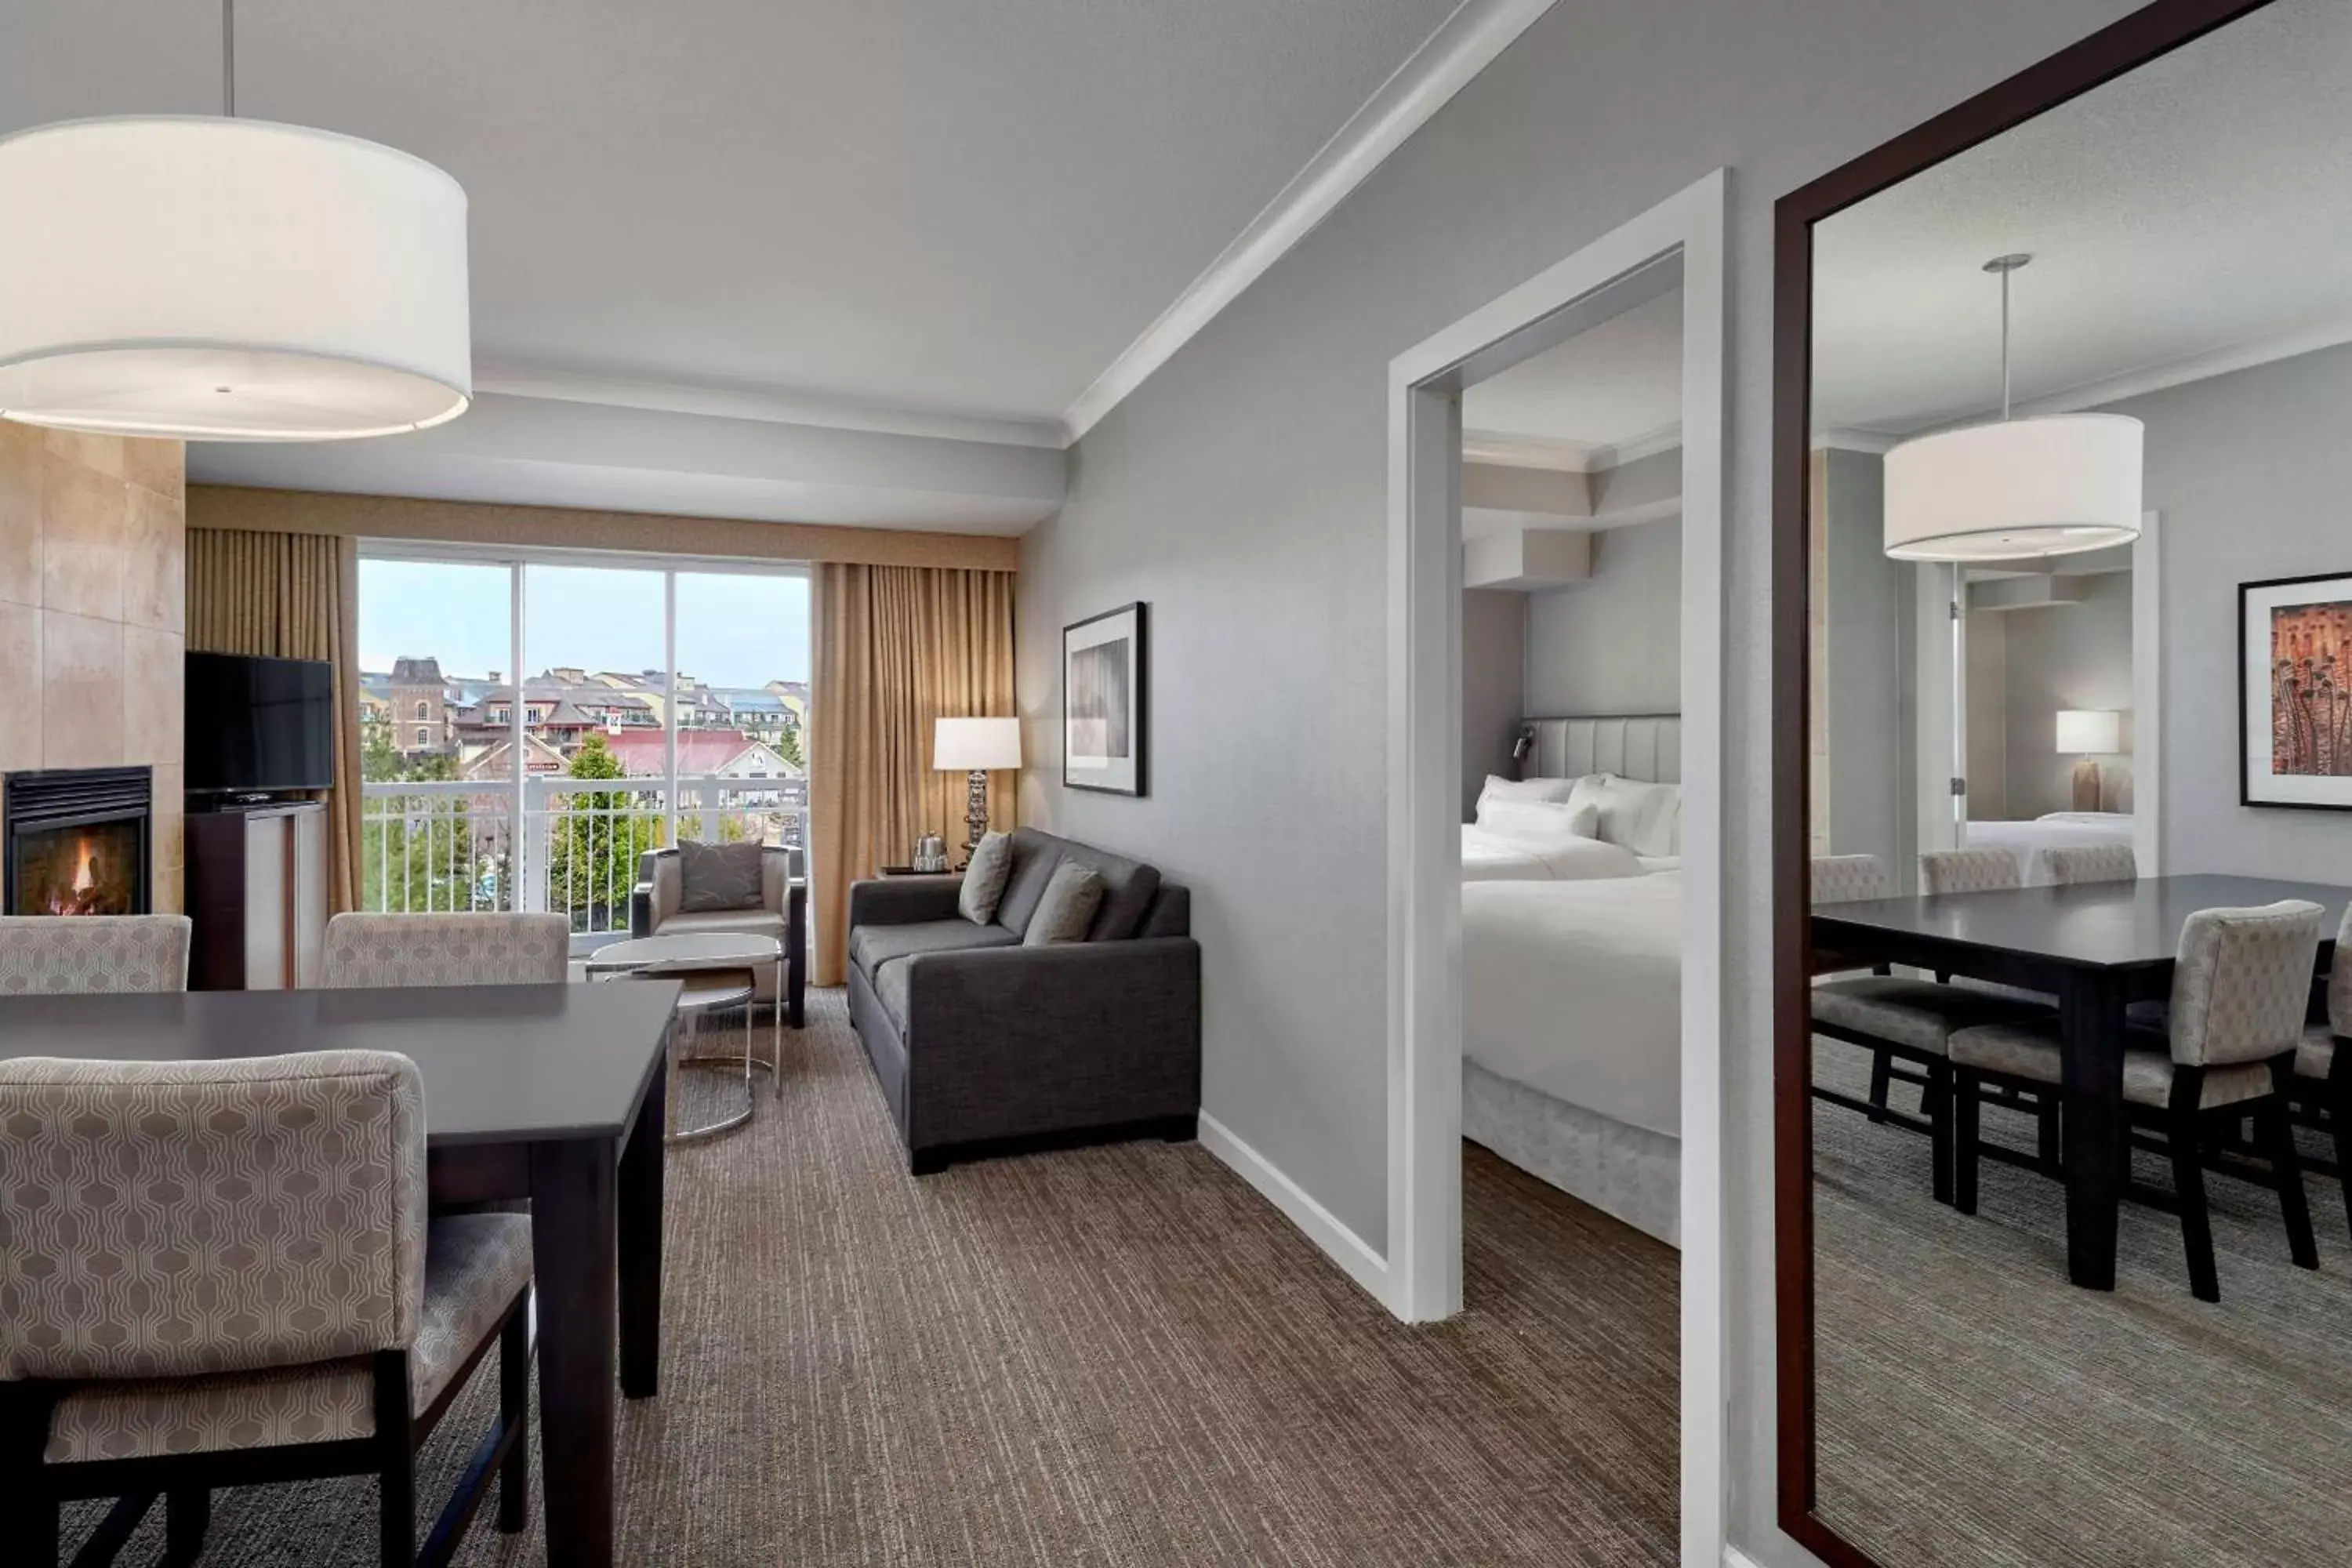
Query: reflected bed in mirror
x,y
2065,1261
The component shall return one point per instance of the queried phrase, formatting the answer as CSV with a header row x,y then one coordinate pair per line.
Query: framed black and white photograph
x,y
2295,692
1103,672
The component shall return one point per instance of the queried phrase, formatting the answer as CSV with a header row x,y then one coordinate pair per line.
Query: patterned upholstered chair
x,y
54,955
2323,1062
2073,863
446,949
1898,1019
221,1273
1965,871
2239,987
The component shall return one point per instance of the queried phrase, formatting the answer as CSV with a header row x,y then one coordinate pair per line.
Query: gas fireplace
x,y
78,841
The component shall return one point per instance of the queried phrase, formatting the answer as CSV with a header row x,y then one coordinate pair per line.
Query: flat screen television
x,y
257,726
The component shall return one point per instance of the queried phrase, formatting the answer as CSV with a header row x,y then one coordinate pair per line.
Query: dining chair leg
x,y
2277,1131
514,1416
1967,1092
395,1505
1938,1097
2189,1184
2339,1121
2046,1146
187,1513
1881,1075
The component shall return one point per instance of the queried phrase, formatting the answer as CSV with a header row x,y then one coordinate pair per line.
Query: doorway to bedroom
x,y
1555,859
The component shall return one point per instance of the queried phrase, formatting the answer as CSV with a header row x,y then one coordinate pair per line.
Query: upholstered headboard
x,y
1647,747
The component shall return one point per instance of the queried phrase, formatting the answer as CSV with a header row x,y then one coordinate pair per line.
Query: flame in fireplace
x,y
85,853
83,895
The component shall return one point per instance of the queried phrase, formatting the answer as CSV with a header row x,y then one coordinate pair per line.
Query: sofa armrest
x,y
903,900
1008,1041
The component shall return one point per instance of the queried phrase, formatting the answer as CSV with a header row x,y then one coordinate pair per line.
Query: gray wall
x,y
2250,473
1987,765
2069,656
1872,780
1243,491
1612,645
1493,686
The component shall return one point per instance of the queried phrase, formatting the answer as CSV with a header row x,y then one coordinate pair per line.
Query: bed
x,y
1572,999
1638,750
2059,829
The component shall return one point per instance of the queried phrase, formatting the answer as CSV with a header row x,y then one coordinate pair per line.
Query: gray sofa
x,y
984,1046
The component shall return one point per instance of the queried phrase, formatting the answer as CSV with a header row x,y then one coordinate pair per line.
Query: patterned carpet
x,y
1117,1356
1976,1409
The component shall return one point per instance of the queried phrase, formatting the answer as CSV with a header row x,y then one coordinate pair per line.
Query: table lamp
x,y
976,746
2086,733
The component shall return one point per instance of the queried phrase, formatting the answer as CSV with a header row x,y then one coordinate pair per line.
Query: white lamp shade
x,y
976,745
2024,487
229,280
2083,732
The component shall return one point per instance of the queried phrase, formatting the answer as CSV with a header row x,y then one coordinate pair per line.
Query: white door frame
x,y
2147,695
1425,912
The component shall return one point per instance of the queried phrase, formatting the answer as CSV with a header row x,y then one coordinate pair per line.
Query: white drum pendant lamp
x,y
2050,486
225,279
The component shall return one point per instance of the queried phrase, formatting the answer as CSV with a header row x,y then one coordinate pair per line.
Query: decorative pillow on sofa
x,y
985,878
719,876
1068,906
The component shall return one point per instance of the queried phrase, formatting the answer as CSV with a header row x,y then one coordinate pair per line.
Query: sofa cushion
x,y
1068,907
985,878
719,876
871,947
1128,886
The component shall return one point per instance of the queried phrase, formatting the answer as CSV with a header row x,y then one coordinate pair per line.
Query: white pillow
x,y
1539,821
1499,788
1643,818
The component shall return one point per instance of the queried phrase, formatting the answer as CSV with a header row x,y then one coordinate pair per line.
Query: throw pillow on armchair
x,y
719,876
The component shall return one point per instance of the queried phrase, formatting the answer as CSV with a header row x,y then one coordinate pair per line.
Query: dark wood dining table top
x,y
505,1064
2108,925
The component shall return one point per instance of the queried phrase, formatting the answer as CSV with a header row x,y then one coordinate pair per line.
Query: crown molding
x,y
1853,438
1462,46
1649,444
1507,450
2246,355
767,405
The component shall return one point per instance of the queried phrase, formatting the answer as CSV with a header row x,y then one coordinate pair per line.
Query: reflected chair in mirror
x,y
2323,1063
324,1328
455,948
2076,863
1898,1019
2241,986
50,955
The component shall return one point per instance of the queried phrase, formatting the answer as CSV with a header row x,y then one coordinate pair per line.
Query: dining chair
x,y
48,955
1948,871
2240,985
1898,1019
2075,863
487,948
1967,871
221,1273
2323,1062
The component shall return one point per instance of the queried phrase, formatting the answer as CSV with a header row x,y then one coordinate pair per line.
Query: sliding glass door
x,y
533,724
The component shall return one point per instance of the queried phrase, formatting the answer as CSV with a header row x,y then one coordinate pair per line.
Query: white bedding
x,y
1492,858
2060,829
1575,989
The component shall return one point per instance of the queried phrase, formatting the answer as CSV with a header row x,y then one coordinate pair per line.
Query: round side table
x,y
717,972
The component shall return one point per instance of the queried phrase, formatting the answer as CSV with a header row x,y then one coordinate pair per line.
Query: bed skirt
x,y
1628,1172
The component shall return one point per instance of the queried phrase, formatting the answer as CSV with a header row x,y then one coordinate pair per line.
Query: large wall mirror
x,y
2063,719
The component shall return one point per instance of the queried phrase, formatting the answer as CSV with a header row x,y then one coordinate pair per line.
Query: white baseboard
x,y
1735,1558
1342,1245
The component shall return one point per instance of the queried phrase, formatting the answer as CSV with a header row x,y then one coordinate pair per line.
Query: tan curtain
x,y
896,647
293,595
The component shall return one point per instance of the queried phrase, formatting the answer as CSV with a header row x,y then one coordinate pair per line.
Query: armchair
x,y
654,909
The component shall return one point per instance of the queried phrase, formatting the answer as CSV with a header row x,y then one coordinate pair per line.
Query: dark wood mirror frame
x,y
2099,59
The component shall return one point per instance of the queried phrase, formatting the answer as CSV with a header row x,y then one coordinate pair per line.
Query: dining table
x,y
551,1093
2097,947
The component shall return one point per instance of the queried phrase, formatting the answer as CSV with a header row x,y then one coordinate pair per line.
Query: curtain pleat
x,y
291,596
896,647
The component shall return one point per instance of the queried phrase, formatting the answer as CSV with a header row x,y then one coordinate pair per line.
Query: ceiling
x,y
930,216
2192,216
1607,386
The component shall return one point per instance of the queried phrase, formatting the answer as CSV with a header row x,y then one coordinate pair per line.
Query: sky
x,y
732,630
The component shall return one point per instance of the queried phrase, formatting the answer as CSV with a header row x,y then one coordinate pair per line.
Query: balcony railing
x,y
454,844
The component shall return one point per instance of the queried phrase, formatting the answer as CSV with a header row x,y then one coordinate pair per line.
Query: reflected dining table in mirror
x,y
2097,947
551,1093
